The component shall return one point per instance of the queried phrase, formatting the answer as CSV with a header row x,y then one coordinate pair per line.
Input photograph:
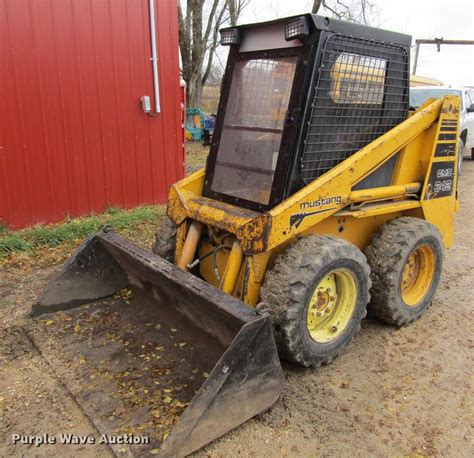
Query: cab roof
x,y
323,23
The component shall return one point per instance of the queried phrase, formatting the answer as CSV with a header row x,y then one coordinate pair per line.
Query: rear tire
x,y
165,240
317,293
406,260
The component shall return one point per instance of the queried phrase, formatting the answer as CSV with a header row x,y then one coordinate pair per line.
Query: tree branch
x,y
213,45
316,6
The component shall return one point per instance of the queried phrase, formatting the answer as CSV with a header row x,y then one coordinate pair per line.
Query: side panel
x,y
439,194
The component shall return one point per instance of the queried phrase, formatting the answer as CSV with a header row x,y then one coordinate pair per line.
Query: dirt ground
x,y
393,392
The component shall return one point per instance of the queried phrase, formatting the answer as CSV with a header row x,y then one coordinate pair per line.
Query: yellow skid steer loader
x,y
323,195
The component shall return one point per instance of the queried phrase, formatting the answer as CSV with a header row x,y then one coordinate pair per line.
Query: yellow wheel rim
x,y
417,275
331,306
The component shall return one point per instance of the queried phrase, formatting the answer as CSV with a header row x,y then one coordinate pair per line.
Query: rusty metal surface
x,y
215,213
210,349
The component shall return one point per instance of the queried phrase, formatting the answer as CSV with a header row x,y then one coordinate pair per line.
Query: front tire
x,y
406,260
165,240
317,292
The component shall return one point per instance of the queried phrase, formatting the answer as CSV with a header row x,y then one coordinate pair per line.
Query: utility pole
x,y
438,42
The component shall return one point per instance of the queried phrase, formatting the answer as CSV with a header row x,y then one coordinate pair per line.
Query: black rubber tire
x,y
289,285
165,240
387,256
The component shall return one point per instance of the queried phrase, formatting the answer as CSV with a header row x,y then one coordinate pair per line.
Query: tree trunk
x,y
316,6
195,91
199,38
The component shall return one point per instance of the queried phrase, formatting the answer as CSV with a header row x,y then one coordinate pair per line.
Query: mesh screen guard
x,y
361,93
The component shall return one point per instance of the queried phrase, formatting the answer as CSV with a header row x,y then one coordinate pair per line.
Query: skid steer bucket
x,y
197,344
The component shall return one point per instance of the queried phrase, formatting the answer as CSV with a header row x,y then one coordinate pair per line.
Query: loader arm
x,y
329,194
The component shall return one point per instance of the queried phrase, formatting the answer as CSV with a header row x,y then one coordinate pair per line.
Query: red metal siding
x,y
73,137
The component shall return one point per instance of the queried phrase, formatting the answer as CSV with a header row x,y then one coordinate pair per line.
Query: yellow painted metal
x,y
331,306
335,185
356,231
380,208
232,270
417,275
329,205
414,159
181,233
190,245
215,213
206,266
384,192
440,211
193,184
254,276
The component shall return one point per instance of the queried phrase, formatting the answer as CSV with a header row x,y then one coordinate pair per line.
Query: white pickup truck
x,y
419,95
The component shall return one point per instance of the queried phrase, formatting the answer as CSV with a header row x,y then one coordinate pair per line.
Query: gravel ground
x,y
393,392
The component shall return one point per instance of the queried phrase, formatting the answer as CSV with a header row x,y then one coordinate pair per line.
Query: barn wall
x,y
73,136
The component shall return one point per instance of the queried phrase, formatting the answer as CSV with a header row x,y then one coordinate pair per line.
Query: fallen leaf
x,y
154,451
168,399
47,322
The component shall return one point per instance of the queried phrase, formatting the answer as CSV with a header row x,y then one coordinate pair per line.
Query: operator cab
x,y
299,96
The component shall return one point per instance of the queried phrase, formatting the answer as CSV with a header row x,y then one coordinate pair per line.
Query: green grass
x,y
27,240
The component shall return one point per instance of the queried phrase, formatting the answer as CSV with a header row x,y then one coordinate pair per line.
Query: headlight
x,y
230,37
296,28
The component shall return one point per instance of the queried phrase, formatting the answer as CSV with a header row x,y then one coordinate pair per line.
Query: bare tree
x,y
348,10
199,24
